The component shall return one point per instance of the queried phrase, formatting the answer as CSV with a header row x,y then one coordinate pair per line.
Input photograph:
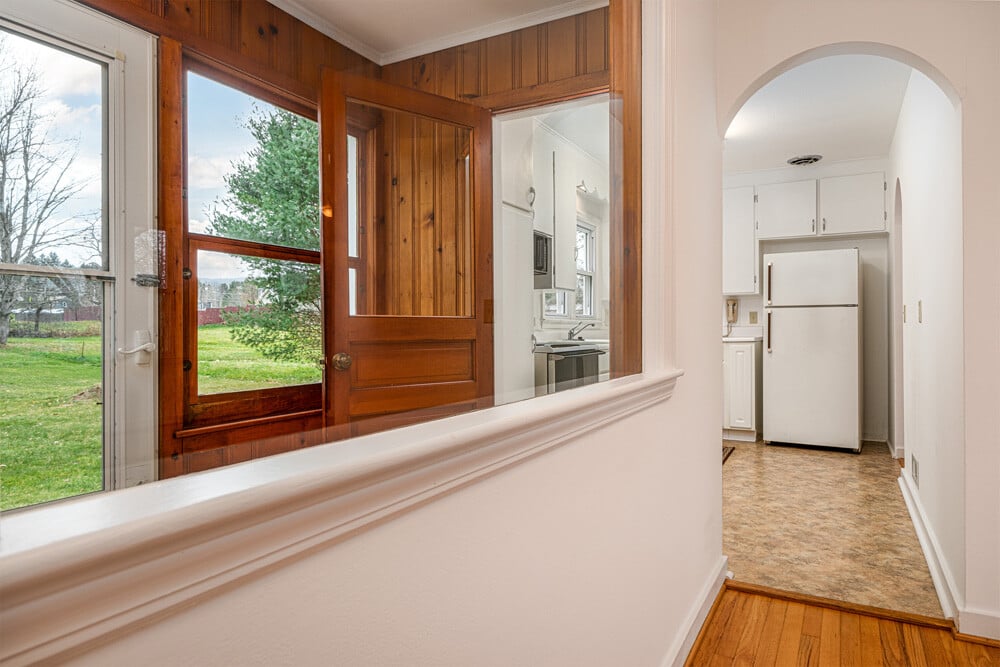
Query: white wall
x,y
926,159
957,44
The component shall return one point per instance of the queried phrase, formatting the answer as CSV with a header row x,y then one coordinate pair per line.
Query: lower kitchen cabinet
x,y
742,389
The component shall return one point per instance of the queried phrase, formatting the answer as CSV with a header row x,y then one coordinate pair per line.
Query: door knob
x,y
342,361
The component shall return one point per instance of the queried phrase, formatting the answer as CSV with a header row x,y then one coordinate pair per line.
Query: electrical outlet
x,y
915,470
753,317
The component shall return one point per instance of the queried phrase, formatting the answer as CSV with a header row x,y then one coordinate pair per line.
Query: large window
x,y
253,301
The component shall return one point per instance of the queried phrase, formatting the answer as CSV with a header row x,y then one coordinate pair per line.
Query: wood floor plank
x,y
850,640
829,639
812,622
938,646
808,651
767,649
730,638
715,625
914,647
791,633
871,642
746,649
893,654
977,655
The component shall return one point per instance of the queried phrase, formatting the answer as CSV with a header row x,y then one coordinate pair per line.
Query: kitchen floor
x,y
824,522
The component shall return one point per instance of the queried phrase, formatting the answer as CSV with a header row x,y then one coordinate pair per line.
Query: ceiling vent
x,y
800,160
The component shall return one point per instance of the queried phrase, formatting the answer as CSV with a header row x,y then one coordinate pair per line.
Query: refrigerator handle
x,y
769,265
769,331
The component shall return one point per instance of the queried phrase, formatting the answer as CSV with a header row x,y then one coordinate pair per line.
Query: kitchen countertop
x,y
741,339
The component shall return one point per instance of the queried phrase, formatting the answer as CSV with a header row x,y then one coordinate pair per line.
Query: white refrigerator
x,y
812,348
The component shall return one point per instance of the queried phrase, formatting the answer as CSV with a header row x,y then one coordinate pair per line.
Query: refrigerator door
x,y
814,278
812,376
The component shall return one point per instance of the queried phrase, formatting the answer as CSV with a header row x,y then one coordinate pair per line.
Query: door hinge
x,y
885,186
184,193
755,199
756,224
885,215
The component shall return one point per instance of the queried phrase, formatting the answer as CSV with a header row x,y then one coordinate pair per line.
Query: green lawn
x,y
50,412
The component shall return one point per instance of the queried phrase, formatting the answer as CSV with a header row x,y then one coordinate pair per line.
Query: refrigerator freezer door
x,y
816,278
812,377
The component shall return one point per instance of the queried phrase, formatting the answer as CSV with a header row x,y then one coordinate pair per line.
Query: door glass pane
x,y
253,168
352,197
422,248
259,323
52,152
52,389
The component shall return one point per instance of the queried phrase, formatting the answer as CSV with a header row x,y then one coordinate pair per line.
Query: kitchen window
x,y
557,303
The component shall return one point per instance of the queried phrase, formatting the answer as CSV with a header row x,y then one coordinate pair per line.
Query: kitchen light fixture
x,y
800,160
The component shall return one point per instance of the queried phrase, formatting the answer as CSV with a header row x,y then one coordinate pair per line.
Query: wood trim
x,y
260,421
251,248
709,619
220,72
625,38
171,207
544,93
828,603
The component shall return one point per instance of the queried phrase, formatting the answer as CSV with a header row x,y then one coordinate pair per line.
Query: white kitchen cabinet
x,y
852,204
543,148
739,245
564,204
742,389
786,210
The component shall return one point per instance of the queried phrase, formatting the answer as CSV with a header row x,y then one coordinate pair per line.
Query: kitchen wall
x,y
874,254
957,45
926,159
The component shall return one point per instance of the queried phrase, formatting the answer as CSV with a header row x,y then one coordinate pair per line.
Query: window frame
x,y
231,409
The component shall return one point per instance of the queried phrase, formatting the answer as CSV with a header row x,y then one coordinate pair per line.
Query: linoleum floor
x,y
824,522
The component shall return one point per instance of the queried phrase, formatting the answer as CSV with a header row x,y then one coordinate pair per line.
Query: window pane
x,y
584,295
52,148
253,168
421,250
352,291
582,249
259,323
352,197
52,390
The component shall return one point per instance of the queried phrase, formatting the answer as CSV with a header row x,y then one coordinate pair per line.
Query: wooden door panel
x,y
423,349
381,364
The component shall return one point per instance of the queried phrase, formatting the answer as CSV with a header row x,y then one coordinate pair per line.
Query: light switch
x,y
753,317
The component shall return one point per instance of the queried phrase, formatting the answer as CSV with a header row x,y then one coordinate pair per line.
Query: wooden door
x,y
406,182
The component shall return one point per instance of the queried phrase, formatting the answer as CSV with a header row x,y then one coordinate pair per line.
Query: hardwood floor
x,y
754,625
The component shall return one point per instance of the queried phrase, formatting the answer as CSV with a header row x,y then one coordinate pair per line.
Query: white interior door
x,y
812,376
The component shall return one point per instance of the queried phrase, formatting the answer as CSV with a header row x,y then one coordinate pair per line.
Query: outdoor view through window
x,y
253,218
54,273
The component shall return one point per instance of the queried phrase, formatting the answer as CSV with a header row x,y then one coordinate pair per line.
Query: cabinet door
x,y
786,210
852,204
739,246
740,383
564,205
541,167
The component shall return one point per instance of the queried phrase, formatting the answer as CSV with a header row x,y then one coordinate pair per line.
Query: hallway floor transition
x,y
824,522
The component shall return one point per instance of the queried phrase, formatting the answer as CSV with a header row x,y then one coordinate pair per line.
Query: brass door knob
x,y
342,361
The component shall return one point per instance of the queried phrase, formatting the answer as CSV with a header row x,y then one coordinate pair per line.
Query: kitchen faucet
x,y
580,326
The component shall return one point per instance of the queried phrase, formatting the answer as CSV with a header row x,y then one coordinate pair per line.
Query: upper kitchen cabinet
x,y
852,204
786,210
543,150
739,246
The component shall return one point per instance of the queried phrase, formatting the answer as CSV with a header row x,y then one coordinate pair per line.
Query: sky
x,y
72,111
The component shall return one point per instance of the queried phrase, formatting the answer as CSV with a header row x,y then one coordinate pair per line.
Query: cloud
x,y
208,172
214,265
61,74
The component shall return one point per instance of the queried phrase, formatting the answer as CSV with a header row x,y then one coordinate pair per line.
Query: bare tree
x,y
34,181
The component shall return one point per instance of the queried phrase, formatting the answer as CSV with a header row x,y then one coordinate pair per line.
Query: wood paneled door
x,y
407,260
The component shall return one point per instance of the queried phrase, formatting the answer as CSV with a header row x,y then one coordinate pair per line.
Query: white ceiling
x,y
387,31
586,123
841,107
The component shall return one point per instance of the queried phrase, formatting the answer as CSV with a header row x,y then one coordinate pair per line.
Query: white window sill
x,y
103,563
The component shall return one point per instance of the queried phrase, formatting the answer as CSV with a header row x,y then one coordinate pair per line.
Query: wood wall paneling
x,y
558,60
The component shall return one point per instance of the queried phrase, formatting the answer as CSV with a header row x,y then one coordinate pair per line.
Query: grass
x,y
50,405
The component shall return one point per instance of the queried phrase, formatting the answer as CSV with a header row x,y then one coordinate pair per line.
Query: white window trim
x,y
93,568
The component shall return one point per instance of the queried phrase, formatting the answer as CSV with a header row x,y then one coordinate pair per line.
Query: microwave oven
x,y
543,260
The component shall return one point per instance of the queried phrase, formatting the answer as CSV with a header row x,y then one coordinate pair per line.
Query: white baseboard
x,y
979,622
944,583
684,640
894,451
739,434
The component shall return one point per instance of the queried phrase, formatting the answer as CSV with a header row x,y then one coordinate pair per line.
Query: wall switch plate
x,y
753,317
